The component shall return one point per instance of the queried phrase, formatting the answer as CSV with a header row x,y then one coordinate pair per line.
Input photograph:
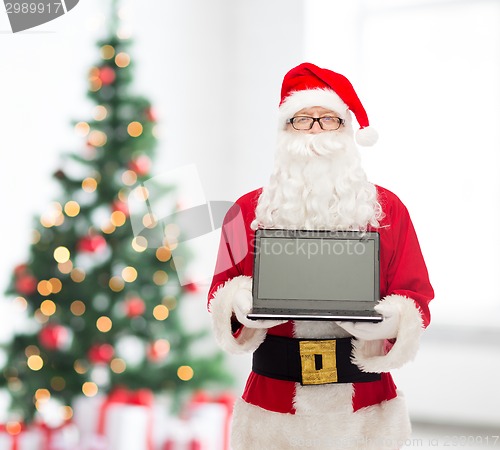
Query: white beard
x,y
318,183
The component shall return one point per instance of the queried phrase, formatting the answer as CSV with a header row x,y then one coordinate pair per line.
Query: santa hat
x,y
308,85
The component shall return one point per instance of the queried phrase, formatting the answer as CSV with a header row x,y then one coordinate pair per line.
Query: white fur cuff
x,y
221,305
371,356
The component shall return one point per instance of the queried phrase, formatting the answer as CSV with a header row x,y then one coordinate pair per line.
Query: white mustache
x,y
322,144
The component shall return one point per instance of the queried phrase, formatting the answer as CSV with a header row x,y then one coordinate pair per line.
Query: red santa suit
x,y
278,414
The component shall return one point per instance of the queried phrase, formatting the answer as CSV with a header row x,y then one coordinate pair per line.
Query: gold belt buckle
x,y
318,362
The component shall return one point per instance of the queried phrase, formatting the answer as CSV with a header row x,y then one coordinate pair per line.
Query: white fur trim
x,y
379,427
221,307
370,356
298,100
367,136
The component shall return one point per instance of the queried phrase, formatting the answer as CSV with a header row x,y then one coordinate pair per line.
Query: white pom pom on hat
x,y
366,136
308,85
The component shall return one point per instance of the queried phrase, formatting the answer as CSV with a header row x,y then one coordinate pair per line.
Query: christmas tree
x,y
104,306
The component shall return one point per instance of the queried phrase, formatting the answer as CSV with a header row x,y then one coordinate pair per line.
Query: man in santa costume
x,y
318,184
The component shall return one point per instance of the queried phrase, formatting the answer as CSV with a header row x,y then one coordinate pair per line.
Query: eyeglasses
x,y
326,123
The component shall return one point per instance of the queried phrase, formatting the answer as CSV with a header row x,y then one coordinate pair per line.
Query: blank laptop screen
x,y
317,268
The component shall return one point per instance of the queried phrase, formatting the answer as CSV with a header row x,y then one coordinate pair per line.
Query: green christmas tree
x,y
103,305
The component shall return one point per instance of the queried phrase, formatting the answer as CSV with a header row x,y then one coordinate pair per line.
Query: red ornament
x,y
91,244
141,165
26,284
20,269
134,307
195,444
101,353
158,350
150,114
191,287
118,205
54,337
107,75
169,444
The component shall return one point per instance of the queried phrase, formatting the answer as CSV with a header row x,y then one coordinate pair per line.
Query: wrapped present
x,y
191,444
123,420
182,436
127,410
86,418
86,414
64,436
16,436
210,418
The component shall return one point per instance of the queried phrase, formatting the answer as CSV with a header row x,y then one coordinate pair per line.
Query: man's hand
x,y
242,304
369,331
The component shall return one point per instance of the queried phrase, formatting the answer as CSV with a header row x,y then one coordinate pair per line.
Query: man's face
x,y
330,121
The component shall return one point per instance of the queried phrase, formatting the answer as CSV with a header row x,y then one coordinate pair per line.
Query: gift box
x,y
16,436
209,418
181,436
123,420
61,437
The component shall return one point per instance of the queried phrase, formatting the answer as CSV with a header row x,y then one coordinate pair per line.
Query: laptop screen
x,y
316,266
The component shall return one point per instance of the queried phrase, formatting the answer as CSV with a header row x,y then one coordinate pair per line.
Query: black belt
x,y
318,361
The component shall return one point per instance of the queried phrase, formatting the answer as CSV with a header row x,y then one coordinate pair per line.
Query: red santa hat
x,y
308,85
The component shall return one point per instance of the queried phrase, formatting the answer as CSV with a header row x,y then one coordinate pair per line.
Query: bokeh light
x,y
163,254
104,324
107,51
134,129
61,254
118,218
90,389
129,274
97,138
72,208
122,59
116,284
48,308
118,365
82,129
44,288
100,112
56,284
185,373
77,308
139,244
129,177
160,312
77,275
35,362
89,184
160,277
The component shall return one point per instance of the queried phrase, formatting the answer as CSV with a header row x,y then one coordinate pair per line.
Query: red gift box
x,y
61,437
131,402
210,416
20,437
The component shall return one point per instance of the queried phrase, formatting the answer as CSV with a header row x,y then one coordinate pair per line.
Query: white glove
x,y
242,304
369,331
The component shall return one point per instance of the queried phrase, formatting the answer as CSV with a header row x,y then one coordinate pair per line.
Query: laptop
x,y
315,275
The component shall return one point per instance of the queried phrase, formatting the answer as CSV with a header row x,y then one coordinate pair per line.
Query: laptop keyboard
x,y
308,312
